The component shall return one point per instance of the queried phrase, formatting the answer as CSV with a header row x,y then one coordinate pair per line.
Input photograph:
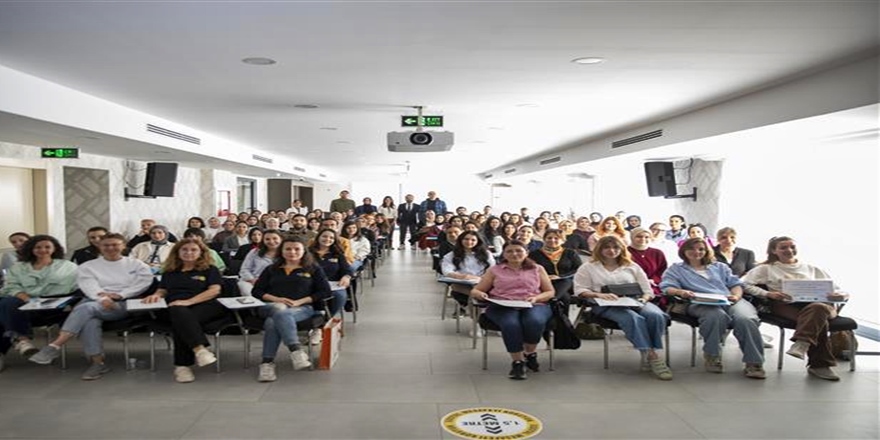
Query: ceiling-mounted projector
x,y
419,141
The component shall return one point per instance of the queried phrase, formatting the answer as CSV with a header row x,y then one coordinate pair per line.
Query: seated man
x,y
299,229
107,282
91,251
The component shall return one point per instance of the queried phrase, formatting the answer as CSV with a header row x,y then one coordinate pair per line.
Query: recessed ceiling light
x,y
343,142
308,106
258,61
527,105
478,142
588,60
329,128
496,128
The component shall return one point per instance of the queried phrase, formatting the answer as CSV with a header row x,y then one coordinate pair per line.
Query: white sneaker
x,y
799,349
26,348
183,375
300,360
205,357
267,372
316,338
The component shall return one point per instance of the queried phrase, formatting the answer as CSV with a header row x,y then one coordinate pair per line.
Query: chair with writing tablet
x,y
629,290
838,324
486,325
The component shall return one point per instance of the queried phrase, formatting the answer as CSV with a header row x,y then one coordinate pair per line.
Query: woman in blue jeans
x,y
293,287
519,279
645,327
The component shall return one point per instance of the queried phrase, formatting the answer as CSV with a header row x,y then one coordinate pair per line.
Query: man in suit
x,y
408,214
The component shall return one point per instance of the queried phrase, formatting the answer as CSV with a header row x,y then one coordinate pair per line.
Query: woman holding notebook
x,y
644,324
699,274
811,335
526,288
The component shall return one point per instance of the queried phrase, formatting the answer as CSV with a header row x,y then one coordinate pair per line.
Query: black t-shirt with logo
x,y
185,285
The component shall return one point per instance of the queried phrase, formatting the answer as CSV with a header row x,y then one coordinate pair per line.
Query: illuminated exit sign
x,y
427,121
60,153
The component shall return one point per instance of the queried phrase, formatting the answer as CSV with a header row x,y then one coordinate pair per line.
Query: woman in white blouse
x,y
469,260
360,245
610,264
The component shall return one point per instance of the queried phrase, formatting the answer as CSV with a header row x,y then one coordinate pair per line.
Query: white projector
x,y
419,141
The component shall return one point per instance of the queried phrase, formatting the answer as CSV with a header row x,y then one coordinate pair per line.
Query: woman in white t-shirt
x,y
610,264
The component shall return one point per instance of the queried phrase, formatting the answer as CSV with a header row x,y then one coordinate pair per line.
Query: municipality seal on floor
x,y
491,424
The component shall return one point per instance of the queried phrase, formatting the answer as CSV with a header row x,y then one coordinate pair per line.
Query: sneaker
x,y
267,372
799,349
95,371
825,373
300,360
205,357
517,370
46,355
660,369
755,371
183,375
25,348
316,338
532,362
713,364
768,341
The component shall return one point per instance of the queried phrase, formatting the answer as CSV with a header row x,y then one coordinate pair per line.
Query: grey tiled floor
x,y
402,369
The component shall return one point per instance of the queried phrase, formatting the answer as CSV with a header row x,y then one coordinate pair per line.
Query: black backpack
x,y
564,336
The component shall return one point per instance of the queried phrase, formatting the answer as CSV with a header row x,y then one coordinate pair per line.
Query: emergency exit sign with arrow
x,y
60,153
427,121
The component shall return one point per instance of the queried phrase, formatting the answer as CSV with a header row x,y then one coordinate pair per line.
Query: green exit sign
x,y
427,121
60,153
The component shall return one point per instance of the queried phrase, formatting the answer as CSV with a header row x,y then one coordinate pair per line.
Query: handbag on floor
x,y
332,333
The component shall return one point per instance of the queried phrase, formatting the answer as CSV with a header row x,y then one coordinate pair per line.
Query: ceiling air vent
x,y
173,134
488,176
510,170
637,139
302,170
550,160
262,159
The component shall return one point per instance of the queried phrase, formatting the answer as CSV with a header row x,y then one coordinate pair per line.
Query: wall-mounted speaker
x,y
661,179
160,180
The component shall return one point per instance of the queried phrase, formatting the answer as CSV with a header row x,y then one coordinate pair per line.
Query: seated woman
x,y
651,260
595,220
384,230
508,232
559,263
327,252
526,235
429,232
540,226
195,222
811,334
17,240
517,278
42,270
106,283
699,272
571,239
255,236
258,260
609,226
698,230
155,251
632,222
190,285
740,260
295,287
492,233
238,238
645,327
199,234
468,260
360,245
90,252
446,246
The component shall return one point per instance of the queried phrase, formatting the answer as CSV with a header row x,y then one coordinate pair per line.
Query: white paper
x,y
711,299
458,281
334,285
511,303
133,305
45,303
623,301
242,302
808,290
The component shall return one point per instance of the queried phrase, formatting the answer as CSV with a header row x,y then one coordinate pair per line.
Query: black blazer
x,y
568,264
743,260
410,217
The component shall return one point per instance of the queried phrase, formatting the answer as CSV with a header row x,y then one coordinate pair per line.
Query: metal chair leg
x,y
474,317
550,347
852,351
605,347
693,347
247,349
485,350
152,352
446,294
666,336
217,350
781,347
126,350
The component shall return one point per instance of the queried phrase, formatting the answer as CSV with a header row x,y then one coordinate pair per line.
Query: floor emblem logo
x,y
491,424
